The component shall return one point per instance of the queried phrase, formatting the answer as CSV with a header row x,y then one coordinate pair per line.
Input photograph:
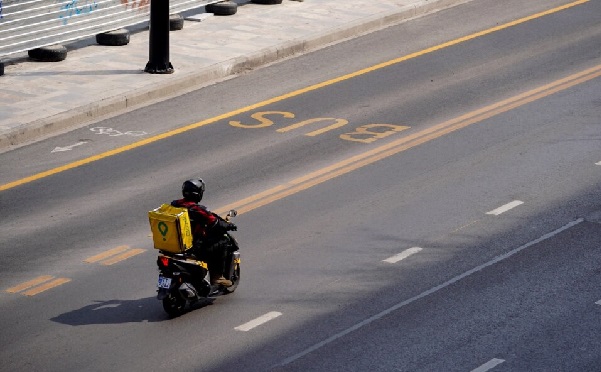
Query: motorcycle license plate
x,y
164,282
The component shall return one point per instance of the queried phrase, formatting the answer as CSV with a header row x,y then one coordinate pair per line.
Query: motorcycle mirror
x,y
232,213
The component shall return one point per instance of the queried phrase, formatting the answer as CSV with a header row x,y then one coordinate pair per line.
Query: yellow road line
x,y
122,256
410,141
230,114
46,282
110,252
29,284
55,283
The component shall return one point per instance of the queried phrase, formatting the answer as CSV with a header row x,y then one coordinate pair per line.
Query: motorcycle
x,y
184,280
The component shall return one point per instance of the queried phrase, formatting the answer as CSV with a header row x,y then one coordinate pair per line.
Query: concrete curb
x,y
112,106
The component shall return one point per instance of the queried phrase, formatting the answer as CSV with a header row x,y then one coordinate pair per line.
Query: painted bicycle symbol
x,y
115,133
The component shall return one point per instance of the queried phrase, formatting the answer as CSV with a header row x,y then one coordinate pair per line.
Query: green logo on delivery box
x,y
163,229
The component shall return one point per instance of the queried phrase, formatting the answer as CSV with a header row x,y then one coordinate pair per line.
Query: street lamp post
x,y
159,38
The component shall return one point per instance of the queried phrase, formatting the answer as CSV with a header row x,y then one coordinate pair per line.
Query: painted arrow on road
x,y
70,147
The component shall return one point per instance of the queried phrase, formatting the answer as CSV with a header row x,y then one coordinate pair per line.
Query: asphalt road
x,y
436,213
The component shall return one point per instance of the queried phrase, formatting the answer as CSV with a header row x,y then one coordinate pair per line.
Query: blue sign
x,y
75,8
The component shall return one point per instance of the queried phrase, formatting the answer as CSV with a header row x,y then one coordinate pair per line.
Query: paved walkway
x,y
38,99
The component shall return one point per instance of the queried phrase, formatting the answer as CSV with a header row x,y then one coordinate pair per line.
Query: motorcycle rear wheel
x,y
174,306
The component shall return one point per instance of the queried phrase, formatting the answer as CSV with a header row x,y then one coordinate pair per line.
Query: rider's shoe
x,y
223,282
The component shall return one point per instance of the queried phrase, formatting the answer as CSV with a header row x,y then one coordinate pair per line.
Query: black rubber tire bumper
x,y
51,53
267,2
224,8
176,22
113,38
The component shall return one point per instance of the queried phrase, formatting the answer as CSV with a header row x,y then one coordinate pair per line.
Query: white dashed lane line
x,y
505,208
257,322
425,294
488,365
401,256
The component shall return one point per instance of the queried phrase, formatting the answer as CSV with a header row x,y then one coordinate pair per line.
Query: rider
x,y
207,230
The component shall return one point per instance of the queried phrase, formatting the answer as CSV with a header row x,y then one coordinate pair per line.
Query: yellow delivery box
x,y
170,228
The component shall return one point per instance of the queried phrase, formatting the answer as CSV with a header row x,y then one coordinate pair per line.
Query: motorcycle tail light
x,y
163,261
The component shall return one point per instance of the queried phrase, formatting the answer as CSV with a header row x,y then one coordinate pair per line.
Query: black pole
x,y
159,38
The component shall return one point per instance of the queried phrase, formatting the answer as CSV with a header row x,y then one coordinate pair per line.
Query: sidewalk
x,y
38,99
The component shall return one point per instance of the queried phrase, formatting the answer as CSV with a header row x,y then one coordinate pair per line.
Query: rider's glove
x,y
232,227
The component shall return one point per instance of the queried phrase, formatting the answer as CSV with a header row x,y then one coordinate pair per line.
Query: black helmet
x,y
193,189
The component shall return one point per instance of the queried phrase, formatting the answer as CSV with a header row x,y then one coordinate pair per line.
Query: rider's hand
x,y
232,227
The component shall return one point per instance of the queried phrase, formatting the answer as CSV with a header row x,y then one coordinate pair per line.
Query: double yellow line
x,y
112,256
46,282
255,106
38,285
405,143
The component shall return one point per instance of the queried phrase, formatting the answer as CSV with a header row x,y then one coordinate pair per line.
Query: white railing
x,y
30,24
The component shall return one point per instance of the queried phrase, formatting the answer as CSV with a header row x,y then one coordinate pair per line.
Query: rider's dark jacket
x,y
205,225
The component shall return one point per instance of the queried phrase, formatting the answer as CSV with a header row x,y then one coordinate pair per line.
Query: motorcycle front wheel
x,y
174,305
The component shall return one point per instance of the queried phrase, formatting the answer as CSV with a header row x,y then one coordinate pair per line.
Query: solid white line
x,y
427,293
599,163
488,365
598,302
401,256
505,208
257,322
